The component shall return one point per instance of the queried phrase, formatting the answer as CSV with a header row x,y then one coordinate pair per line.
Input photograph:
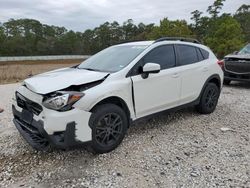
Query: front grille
x,y
239,66
27,104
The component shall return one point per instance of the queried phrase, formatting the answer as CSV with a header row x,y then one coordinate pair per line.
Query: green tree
x,y
178,28
69,43
2,40
89,45
196,17
215,8
224,35
30,37
143,30
129,30
200,25
243,17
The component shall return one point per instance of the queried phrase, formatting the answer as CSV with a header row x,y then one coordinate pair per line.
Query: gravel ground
x,y
181,149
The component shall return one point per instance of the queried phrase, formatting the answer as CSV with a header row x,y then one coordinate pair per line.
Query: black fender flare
x,y
212,77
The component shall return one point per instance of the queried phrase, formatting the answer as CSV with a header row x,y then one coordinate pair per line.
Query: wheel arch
x,y
215,78
117,101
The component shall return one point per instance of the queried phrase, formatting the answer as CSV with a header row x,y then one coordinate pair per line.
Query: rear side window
x,y
163,55
187,54
204,53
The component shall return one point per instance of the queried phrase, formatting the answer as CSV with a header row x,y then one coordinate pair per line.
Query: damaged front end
x,y
63,100
69,79
50,119
36,135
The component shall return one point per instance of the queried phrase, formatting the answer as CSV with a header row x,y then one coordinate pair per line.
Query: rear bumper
x,y
35,134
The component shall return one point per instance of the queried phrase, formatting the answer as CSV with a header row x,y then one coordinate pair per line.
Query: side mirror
x,y
235,52
150,68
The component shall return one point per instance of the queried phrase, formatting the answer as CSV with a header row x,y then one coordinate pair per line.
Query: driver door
x,y
161,90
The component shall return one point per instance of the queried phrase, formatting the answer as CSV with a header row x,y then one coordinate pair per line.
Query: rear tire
x,y
209,99
109,125
226,82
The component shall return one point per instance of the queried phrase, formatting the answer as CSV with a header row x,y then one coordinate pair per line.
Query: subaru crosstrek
x,y
95,102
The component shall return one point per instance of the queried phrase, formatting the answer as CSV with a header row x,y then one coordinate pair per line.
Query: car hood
x,y
238,56
62,78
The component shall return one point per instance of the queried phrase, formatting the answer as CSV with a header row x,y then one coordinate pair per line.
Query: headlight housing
x,y
62,100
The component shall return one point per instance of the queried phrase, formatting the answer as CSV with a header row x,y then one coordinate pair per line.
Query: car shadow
x,y
162,119
240,85
156,121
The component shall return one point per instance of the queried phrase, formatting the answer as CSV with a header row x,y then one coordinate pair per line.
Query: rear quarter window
x,y
199,54
204,53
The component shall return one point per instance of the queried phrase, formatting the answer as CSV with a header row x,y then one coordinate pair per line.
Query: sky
x,y
79,15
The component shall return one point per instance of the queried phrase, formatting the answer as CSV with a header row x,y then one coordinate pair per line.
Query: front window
x,y
245,50
162,55
112,59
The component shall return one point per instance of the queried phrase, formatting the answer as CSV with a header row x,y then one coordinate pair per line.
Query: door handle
x,y
175,75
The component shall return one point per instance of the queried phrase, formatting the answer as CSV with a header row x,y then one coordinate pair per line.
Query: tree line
x,y
223,33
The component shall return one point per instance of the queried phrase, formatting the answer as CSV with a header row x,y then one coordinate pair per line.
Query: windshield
x,y
113,58
245,50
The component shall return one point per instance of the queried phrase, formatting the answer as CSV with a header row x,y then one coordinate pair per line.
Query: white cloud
x,y
83,14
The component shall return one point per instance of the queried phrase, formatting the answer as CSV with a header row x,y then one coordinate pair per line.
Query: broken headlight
x,y
62,100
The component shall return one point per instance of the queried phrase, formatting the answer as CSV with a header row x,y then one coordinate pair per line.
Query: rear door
x,y
159,91
194,71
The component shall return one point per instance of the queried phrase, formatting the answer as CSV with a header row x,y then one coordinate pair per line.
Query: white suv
x,y
96,101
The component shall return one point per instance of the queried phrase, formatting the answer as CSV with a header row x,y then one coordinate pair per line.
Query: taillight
x,y
221,63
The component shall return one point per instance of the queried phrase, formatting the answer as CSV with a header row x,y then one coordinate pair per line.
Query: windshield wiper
x,y
90,69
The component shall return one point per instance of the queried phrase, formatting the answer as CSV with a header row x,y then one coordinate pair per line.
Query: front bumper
x,y
39,139
49,127
236,77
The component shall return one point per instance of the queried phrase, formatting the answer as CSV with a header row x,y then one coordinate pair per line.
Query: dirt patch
x,y
17,71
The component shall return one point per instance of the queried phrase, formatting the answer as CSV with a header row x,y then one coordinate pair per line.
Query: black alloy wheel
x,y
108,129
209,99
109,125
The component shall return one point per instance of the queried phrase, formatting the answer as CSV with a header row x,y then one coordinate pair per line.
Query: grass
x,y
16,71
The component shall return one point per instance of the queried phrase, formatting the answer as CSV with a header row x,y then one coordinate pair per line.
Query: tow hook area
x,y
39,139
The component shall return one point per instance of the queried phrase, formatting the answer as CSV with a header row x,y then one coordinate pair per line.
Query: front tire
x,y
209,99
109,125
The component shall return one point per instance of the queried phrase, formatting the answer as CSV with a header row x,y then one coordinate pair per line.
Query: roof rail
x,y
177,38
